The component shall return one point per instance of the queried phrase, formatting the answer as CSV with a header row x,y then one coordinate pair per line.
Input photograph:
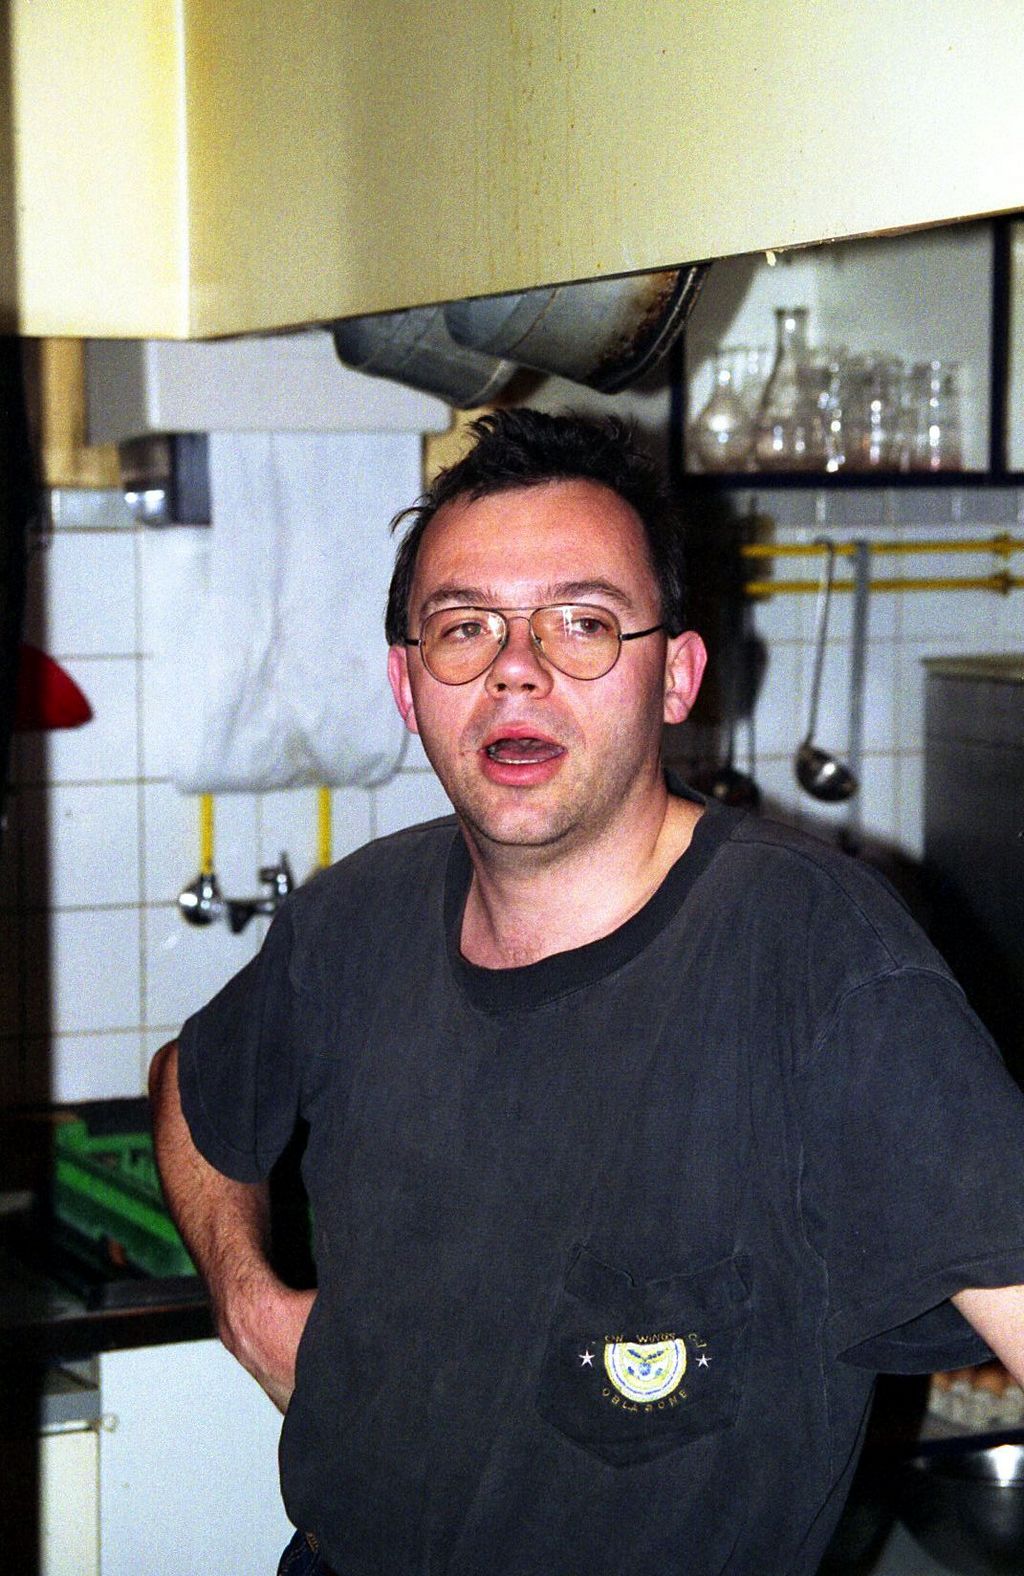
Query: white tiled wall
x,y
97,967
904,628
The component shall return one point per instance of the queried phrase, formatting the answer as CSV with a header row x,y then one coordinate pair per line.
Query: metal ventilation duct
x,y
604,333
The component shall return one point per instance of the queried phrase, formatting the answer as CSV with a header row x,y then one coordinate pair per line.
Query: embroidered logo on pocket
x,y
646,1371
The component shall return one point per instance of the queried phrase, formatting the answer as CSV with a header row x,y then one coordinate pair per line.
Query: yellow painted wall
x,y
191,167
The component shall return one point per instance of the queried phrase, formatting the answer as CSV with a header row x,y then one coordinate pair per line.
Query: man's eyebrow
x,y
452,595
580,590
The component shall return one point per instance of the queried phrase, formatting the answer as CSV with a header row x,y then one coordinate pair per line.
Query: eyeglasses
x,y
457,644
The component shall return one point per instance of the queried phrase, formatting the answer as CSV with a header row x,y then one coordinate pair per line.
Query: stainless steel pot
x,y
963,1500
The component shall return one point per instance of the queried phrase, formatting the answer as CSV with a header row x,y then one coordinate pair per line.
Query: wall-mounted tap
x,y
278,878
201,902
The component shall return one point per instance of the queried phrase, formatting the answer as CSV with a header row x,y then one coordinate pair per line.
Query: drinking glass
x,y
934,430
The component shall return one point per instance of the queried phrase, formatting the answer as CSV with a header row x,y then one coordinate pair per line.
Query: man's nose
x,y
519,664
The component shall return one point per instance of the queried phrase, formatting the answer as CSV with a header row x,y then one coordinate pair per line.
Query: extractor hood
x,y
195,168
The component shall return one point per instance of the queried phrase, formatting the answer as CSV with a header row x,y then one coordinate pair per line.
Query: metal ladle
x,y
819,773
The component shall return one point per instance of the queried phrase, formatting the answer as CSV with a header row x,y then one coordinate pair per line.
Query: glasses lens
x,y
579,640
459,643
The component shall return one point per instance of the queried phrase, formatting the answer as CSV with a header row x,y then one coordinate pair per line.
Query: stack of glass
x,y
807,409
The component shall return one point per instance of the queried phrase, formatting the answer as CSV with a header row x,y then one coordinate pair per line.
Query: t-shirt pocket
x,y
636,1368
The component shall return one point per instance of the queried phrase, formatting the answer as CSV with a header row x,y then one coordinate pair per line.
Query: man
x,y
642,1132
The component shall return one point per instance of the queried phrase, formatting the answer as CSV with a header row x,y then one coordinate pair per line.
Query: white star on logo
x,y
586,1359
703,1361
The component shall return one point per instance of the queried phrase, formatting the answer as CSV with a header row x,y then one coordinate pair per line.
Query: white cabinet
x,y
188,1465
189,168
68,1501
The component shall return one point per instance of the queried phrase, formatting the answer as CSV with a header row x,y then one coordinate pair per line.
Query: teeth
x,y
520,752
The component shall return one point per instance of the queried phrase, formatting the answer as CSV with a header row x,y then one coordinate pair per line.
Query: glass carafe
x,y
786,433
722,432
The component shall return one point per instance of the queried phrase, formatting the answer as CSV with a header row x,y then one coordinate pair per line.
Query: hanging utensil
x,y
726,782
850,836
818,772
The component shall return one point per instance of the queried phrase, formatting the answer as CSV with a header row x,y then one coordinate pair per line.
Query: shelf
x,y
762,481
952,294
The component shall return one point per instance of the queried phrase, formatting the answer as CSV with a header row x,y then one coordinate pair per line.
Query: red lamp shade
x,y
46,696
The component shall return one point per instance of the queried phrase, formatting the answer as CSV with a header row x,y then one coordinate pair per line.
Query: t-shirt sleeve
x,y
912,1178
237,1068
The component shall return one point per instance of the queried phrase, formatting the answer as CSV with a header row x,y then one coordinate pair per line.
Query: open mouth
x,y
522,752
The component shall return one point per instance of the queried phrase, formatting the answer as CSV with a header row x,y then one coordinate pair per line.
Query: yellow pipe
x,y
206,834
1002,545
1001,583
323,828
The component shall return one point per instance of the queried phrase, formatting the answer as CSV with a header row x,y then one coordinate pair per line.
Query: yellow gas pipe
x,y
1002,582
206,834
323,828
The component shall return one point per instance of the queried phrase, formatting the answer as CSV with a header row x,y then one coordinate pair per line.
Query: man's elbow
x,y
163,1072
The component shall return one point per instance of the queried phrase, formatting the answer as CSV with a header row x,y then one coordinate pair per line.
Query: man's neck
x,y
532,903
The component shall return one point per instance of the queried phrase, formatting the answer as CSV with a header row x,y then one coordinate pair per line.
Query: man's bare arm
x,y
997,1313
225,1227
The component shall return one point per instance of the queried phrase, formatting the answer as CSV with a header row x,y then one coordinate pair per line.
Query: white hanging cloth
x,y
267,627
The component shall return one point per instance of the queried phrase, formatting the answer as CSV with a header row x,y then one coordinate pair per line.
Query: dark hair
x,y
526,448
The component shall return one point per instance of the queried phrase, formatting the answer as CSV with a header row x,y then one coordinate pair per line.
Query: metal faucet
x,y
280,881
201,902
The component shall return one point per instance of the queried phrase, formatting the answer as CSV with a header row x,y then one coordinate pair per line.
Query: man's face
x,y
528,756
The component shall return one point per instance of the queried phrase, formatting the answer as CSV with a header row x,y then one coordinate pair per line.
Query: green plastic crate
x,y
106,1187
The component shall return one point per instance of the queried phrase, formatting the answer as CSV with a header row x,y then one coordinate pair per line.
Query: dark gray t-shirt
x,y
610,1247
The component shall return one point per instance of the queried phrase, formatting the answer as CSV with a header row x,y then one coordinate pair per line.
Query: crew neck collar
x,y
535,984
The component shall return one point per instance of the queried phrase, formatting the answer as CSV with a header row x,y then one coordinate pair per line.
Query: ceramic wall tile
x,y
81,595
927,506
1008,621
834,706
959,620
186,965
171,854
408,798
94,1066
780,617
80,845
153,1038
867,508
796,506
909,684
781,708
909,774
878,797
289,821
105,749
82,970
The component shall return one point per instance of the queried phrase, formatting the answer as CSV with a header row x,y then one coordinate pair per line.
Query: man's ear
x,y
685,659
401,689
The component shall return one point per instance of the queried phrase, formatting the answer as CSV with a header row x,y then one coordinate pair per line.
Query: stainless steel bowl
x,y
963,1500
